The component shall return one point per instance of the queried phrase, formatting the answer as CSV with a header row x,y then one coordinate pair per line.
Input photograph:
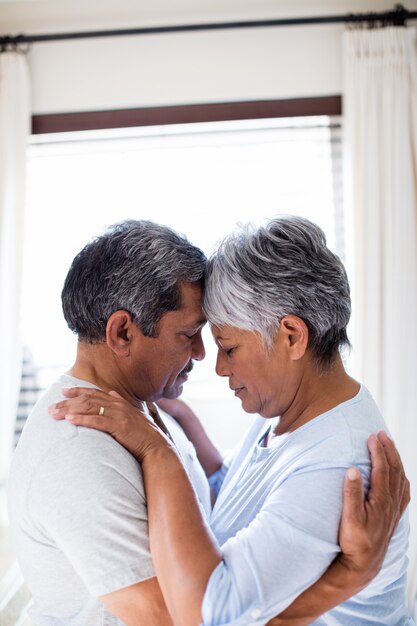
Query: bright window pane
x,y
199,179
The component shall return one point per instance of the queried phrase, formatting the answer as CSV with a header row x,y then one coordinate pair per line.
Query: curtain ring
x,y
19,45
22,48
14,44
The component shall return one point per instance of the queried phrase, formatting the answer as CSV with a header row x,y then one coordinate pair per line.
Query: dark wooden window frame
x,y
185,114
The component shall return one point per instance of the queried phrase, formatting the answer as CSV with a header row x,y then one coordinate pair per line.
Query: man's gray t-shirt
x,y
78,516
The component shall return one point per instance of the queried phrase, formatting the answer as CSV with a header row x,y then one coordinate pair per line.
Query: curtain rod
x,y
397,17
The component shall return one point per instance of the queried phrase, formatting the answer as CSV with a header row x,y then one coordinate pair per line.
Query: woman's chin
x,y
249,407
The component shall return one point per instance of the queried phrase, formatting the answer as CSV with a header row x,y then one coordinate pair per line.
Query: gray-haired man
x,y
77,501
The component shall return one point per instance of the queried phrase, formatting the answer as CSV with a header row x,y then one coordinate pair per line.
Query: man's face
x,y
161,365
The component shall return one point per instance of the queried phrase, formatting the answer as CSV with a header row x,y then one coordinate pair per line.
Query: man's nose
x,y
198,352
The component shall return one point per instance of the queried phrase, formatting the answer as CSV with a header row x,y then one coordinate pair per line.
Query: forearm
x,y
138,604
207,453
183,548
335,586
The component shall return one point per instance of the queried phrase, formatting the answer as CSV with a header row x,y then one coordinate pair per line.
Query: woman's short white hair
x,y
258,275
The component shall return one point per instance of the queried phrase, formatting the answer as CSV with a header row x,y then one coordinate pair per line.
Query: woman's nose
x,y
221,363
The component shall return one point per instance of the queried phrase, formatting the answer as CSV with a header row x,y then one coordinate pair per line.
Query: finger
x,y
83,404
59,409
397,475
353,497
58,406
392,455
57,414
74,392
391,452
90,421
115,395
406,497
380,472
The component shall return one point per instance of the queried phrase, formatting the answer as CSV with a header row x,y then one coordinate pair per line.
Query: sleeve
x,y
88,500
216,480
284,550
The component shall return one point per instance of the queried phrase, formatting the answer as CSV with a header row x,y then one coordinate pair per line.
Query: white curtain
x,y
380,113
14,131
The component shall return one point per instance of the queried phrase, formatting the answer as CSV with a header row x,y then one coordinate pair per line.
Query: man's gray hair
x,y
136,266
260,274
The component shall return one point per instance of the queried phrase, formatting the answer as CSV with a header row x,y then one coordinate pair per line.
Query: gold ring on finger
x,y
101,411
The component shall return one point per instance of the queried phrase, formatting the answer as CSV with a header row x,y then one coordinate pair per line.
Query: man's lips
x,y
237,390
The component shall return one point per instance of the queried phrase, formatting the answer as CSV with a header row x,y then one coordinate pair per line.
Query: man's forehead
x,y
181,320
191,298
190,313
192,316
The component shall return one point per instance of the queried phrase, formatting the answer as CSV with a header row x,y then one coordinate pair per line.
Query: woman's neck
x,y
317,393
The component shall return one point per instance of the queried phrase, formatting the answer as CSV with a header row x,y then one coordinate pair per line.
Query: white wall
x,y
180,68
185,68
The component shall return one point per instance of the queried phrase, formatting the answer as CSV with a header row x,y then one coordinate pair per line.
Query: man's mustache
x,y
187,369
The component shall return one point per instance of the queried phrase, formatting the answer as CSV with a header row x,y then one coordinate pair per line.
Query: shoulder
x,y
62,449
90,454
87,470
339,436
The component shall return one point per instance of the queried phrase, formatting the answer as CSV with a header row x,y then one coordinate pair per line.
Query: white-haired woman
x,y
278,302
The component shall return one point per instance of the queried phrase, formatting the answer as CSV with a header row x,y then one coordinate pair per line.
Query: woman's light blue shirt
x,y
277,516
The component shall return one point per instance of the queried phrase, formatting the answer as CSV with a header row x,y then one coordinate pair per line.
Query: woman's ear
x,y
119,333
294,331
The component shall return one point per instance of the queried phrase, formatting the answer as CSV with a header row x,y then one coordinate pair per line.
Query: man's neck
x,y
96,364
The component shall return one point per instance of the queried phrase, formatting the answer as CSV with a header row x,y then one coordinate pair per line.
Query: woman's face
x,y
265,381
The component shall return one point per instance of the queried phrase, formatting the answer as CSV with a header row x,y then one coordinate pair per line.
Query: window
x,y
197,178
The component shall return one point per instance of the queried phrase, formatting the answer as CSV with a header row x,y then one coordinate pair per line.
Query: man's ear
x,y
294,332
119,333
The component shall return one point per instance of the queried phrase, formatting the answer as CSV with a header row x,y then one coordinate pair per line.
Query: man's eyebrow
x,y
197,324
